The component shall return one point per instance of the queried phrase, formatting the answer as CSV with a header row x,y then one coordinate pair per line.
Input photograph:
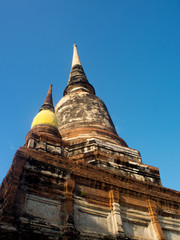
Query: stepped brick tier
x,y
75,178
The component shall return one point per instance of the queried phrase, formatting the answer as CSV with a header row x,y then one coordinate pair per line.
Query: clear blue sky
x,y
130,51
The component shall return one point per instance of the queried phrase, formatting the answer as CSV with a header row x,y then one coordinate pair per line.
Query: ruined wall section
x,y
32,196
115,158
58,198
102,212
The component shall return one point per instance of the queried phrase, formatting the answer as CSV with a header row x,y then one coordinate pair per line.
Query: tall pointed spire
x,y
81,115
77,78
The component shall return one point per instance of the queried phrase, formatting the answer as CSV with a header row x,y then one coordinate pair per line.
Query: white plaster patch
x,y
92,220
137,224
171,235
44,208
136,231
170,226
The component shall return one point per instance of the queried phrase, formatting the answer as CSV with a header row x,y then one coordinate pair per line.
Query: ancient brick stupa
x,y
75,178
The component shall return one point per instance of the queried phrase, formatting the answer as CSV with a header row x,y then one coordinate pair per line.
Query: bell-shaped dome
x,y
46,117
82,115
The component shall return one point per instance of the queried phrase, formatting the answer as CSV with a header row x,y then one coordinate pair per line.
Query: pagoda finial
x,y
77,78
48,102
75,59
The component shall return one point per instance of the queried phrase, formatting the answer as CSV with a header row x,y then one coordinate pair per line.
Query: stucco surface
x,y
77,109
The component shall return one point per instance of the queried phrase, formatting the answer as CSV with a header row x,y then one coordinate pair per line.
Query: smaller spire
x,y
46,115
48,102
75,59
